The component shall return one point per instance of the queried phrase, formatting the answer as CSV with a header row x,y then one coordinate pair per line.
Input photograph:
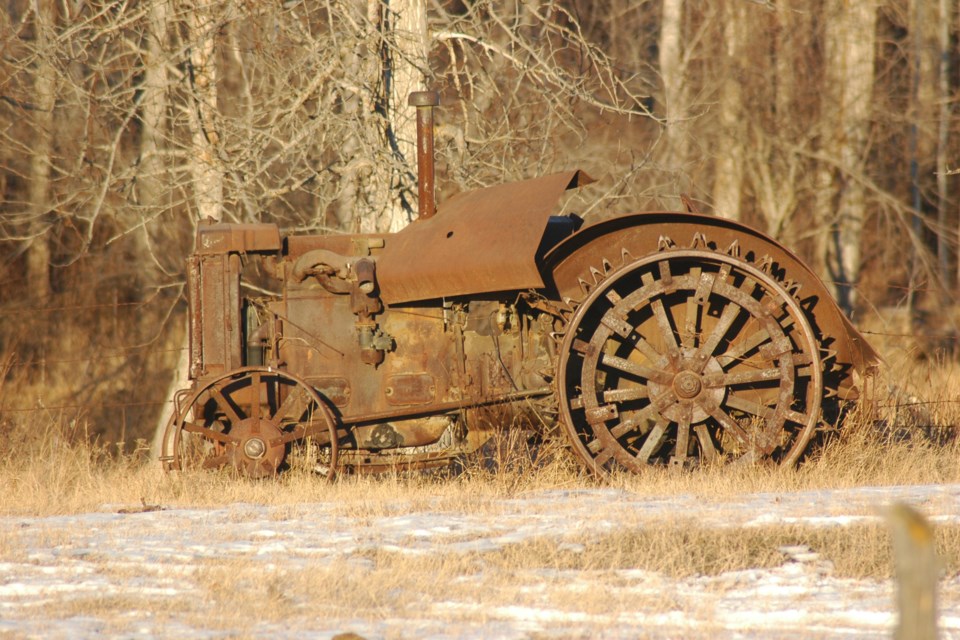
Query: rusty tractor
x,y
658,338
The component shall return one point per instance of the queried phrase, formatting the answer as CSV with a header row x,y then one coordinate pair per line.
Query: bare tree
x,y
673,76
202,111
404,49
41,159
849,28
729,168
946,233
151,179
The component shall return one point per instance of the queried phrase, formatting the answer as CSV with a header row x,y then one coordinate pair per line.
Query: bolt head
x,y
254,448
687,384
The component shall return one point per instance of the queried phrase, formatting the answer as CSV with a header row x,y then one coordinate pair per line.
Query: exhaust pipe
x,y
425,101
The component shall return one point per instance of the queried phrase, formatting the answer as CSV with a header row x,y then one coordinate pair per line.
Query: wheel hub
x,y
253,456
687,385
254,448
688,390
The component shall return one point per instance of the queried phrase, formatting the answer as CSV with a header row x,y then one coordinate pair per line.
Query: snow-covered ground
x,y
122,573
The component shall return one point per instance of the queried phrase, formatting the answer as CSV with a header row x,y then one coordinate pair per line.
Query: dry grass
x,y
53,467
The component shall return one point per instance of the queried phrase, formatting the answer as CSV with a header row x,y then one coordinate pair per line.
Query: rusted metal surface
x,y
653,339
480,241
247,419
215,324
573,261
689,355
222,237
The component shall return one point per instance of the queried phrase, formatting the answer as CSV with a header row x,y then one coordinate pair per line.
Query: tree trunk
x,y
38,255
204,165
409,61
672,72
846,98
943,141
924,114
403,28
728,176
151,181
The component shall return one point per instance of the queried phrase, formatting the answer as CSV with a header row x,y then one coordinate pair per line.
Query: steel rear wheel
x,y
248,420
686,357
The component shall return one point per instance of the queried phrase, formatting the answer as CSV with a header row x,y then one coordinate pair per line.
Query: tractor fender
x,y
478,242
582,259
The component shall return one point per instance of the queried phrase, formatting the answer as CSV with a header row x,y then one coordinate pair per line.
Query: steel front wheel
x,y
249,420
685,357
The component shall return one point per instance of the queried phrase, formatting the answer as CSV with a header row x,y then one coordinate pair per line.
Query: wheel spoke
x,y
665,326
255,398
654,441
287,404
683,436
692,315
209,434
748,406
691,321
730,426
625,395
634,369
633,422
225,405
594,446
743,347
615,322
601,414
289,436
741,377
796,416
646,349
604,456
708,449
730,313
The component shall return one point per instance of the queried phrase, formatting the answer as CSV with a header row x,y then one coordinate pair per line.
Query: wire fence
x,y
106,361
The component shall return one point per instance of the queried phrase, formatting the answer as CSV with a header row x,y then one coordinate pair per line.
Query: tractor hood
x,y
478,242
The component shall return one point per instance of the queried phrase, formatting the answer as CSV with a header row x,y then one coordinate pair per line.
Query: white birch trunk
x,y
207,176
846,102
729,165
150,180
403,25
672,75
409,61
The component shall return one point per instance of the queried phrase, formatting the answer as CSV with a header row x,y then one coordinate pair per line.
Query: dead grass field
x,y
907,436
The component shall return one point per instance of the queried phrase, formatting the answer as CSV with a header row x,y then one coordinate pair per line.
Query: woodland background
x,y
829,124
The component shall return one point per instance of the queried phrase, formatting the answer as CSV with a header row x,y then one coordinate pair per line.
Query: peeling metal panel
x,y
479,242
